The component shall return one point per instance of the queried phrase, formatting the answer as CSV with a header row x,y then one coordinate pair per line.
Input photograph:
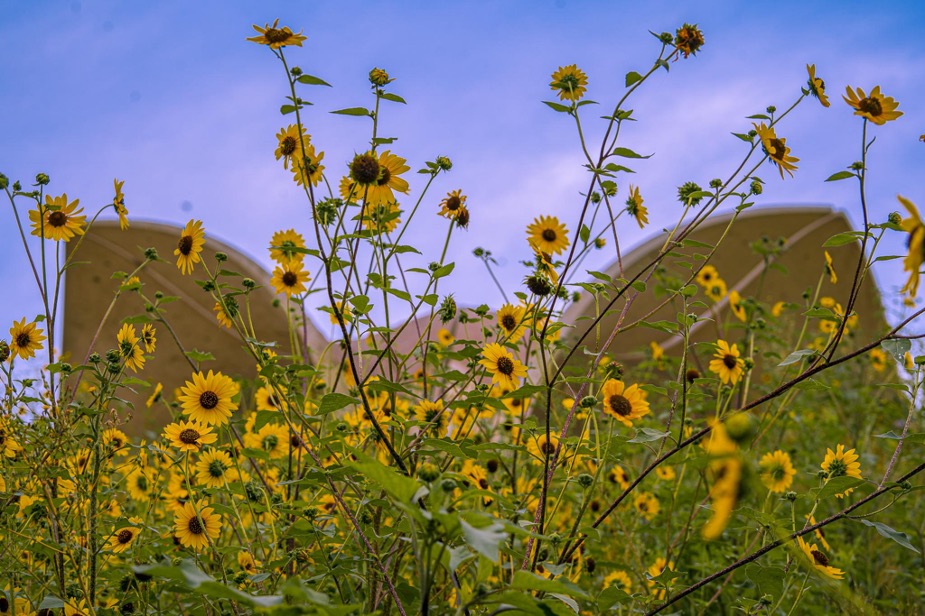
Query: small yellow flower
x,y
778,309
444,337
878,359
841,463
877,108
717,290
189,435
58,220
916,244
287,246
647,505
453,205
188,249
776,149
25,339
504,369
625,404
819,560
130,348
727,365
830,269
195,529
707,276
816,85
118,202
276,37
635,208
155,396
735,305
777,471
547,235
570,82
657,568
122,539
290,278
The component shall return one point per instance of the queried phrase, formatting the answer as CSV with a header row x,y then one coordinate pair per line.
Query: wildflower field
x,y
507,459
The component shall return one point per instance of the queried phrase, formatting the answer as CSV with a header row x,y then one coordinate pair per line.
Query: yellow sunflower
x,y
271,438
547,235
618,476
155,395
504,369
727,365
512,321
735,305
878,359
444,337
130,348
194,530
290,278
717,289
286,246
816,85
189,435
688,40
819,560
776,149
122,539
289,143
118,203
877,108
208,398
276,37
374,179
620,579
665,473
707,276
623,403
140,483
428,412
916,244
308,166
841,463
635,208
724,471
382,218
58,220
657,568
777,471
570,82
25,339
221,315
192,239
212,468
267,400
541,447
453,204
247,563
647,505
829,268
149,336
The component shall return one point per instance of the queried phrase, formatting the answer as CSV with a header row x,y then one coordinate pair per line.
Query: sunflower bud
x,y
447,309
444,163
756,187
741,427
771,109
429,472
448,485
895,218
538,285
4,351
600,243
4,182
249,284
790,495
221,257
295,71
42,179
151,254
595,197
379,77
587,402
691,375
666,38
685,191
716,183
585,480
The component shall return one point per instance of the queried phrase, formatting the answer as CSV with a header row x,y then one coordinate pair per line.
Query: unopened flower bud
x,y
221,257
585,480
587,402
895,218
4,182
151,254
248,283
448,485
716,183
447,309
379,77
686,190
295,71
42,179
595,197
756,187
4,351
790,495
771,109
444,163
538,285
429,472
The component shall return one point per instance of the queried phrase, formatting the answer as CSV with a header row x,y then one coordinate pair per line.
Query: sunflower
x,y
19,606
542,447
189,435
453,204
247,563
688,40
727,365
208,398
118,203
76,607
512,321
635,208
382,218
717,289
878,359
777,471
725,472
647,505
916,244
841,463
505,370
25,339
130,347
444,337
624,403
212,468
877,108
618,476
373,179
115,440
194,530
290,141
776,148
149,336
287,246
432,413
735,305
276,37
620,579
271,438
829,268
547,235
155,395
140,483
192,239
58,220
707,276
665,473
267,400
290,278
778,309
122,539
816,85
819,560
221,315
570,82
308,166
657,568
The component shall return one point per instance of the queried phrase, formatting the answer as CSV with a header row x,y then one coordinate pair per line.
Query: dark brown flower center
x,y
276,35
547,447
777,149
185,245
195,526
505,366
364,169
125,536
290,279
508,322
549,235
57,219
730,361
453,203
692,374
384,176
23,340
620,405
287,145
642,506
870,106
820,558
208,400
483,483
189,436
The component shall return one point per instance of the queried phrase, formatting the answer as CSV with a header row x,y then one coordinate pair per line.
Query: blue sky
x,y
169,97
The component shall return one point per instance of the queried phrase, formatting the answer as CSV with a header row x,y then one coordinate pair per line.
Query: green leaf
x,y
188,574
758,116
398,486
524,580
632,77
797,356
663,326
628,153
897,347
199,356
647,435
486,539
639,285
841,175
313,81
51,602
769,580
557,107
840,239
743,137
584,234
615,168
287,109
898,536
837,485
354,111
444,271
395,98
334,402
